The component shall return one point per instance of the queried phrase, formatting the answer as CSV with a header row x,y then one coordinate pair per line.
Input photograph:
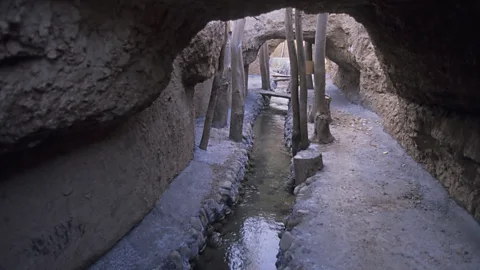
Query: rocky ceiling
x,y
70,65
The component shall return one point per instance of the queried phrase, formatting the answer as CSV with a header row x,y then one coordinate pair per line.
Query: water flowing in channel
x,y
249,238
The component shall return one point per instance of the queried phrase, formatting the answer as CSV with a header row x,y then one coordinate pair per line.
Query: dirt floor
x,y
373,207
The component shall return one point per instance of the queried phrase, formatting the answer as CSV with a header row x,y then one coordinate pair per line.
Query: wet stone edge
x,y
285,258
287,136
226,195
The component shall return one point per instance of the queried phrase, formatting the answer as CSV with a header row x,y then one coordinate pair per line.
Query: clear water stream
x,y
249,237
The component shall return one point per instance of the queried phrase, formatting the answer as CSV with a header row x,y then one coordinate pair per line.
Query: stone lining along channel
x,y
249,238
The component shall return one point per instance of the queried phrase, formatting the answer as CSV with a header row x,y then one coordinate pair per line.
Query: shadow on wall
x,y
202,97
346,79
66,202
71,208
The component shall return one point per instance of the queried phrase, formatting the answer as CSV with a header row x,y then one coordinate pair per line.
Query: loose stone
x,y
174,261
194,250
210,231
203,219
194,233
303,211
226,185
196,224
217,226
303,190
297,190
223,192
218,200
228,201
201,239
209,213
184,251
214,241
309,180
292,222
286,241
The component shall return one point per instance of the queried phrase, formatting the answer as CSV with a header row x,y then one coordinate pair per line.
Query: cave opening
x,y
99,126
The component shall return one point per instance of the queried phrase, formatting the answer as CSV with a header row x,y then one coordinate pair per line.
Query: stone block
x,y
306,163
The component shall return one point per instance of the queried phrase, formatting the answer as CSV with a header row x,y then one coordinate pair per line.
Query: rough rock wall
x,y
254,68
446,142
429,56
255,65
71,66
69,208
270,27
67,67
68,64
202,97
72,208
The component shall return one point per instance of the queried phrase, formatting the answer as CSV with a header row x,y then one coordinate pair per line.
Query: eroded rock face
x,y
200,57
202,97
446,142
66,67
349,46
270,27
70,206
439,137
427,56
90,81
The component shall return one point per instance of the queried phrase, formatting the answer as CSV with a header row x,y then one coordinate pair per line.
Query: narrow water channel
x,y
249,237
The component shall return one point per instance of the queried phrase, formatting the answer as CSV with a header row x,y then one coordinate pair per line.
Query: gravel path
x,y
373,207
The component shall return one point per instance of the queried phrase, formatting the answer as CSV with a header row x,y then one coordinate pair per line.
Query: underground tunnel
x,y
100,106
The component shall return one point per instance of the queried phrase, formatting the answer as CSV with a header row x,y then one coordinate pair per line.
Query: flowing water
x,y
249,238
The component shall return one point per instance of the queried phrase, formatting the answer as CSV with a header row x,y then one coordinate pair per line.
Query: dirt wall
x,y
445,142
201,97
70,209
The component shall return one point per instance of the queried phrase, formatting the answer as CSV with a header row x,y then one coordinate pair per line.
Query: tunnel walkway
x,y
373,207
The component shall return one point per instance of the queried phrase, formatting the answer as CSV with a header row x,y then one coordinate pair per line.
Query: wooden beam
x,y
271,93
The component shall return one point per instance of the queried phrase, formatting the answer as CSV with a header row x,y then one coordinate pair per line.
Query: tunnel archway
x,y
270,28
59,78
409,49
433,135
